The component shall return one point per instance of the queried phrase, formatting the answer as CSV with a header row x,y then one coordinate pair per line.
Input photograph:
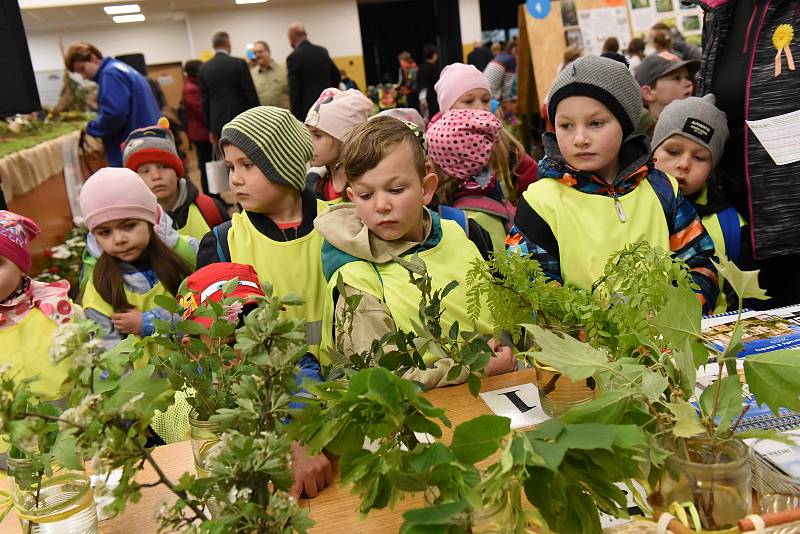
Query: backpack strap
x,y
666,195
221,235
454,214
208,209
731,232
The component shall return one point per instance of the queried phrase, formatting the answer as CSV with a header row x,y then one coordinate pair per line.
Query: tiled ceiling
x,y
84,14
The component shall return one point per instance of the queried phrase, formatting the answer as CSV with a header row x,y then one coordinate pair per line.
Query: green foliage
x,y
400,351
116,393
613,315
574,475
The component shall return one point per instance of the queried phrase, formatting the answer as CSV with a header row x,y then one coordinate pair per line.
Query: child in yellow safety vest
x,y
135,255
150,152
598,190
267,151
330,121
30,311
688,142
389,187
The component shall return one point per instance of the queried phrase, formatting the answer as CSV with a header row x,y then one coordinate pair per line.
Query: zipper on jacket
x,y
618,208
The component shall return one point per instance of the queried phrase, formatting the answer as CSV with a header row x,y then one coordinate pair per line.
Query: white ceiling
x,y
75,13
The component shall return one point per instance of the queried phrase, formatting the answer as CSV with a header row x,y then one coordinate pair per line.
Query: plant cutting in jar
x,y
388,438
113,402
696,460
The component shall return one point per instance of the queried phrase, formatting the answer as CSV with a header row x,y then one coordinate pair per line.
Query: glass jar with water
x,y
54,500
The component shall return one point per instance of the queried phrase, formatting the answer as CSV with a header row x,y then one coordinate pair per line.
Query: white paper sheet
x,y
780,136
518,403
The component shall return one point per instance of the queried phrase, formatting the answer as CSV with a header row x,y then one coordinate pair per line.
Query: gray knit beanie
x,y
607,81
696,119
275,141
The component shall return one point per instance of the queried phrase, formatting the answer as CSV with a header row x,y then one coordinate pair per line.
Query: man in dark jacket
x,y
427,76
311,70
226,86
480,56
750,82
124,99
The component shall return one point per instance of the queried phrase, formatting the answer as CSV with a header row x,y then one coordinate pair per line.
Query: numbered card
x,y
518,403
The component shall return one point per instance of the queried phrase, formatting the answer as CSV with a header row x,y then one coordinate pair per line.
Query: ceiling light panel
x,y
122,9
121,19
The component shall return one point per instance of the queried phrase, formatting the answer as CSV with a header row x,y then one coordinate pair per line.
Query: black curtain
x,y
388,28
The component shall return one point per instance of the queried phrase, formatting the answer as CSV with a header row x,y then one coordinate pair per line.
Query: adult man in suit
x,y
226,86
311,70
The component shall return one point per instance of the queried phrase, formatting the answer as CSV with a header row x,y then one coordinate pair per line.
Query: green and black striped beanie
x,y
275,141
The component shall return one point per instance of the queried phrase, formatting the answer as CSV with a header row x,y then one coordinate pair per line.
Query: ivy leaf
x,y
774,379
168,303
734,346
474,384
448,288
479,438
653,385
65,451
566,354
606,409
438,514
730,401
230,285
679,319
764,433
745,283
140,381
687,423
191,328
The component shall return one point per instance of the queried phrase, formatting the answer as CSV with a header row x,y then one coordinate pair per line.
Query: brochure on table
x,y
764,331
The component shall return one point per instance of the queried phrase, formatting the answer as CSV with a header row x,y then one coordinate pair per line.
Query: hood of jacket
x,y
348,239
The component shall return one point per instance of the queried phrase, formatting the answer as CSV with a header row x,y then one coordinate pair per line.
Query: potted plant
x,y
695,459
112,404
374,421
611,315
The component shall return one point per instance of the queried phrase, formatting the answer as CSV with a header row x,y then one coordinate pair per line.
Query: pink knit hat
x,y
114,193
16,231
460,143
337,113
455,80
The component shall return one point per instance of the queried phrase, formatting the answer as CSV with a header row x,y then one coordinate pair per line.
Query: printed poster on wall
x,y
599,24
687,19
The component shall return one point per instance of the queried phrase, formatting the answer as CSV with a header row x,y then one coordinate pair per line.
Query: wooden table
x,y
335,509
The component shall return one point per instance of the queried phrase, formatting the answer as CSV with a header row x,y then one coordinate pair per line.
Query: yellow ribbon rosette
x,y
781,39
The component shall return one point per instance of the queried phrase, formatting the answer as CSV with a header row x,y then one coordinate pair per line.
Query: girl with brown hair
x,y
133,255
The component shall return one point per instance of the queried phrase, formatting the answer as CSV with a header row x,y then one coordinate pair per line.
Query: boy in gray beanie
x,y
688,143
598,190
267,151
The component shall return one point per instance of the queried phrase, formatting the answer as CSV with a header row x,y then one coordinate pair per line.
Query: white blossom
x,y
82,414
61,252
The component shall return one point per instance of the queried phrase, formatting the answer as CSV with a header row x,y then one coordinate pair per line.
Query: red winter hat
x,y
16,231
154,144
207,283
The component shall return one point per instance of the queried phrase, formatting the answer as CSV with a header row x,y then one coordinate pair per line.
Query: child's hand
x,y
129,322
503,360
311,473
